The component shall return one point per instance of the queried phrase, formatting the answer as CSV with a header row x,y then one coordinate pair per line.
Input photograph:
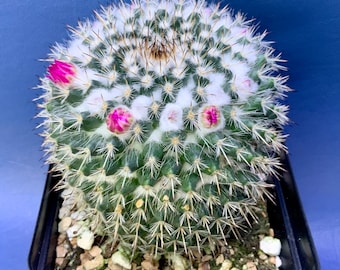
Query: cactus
x,y
164,120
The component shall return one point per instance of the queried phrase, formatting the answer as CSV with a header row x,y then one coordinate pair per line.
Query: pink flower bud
x,y
210,116
119,120
61,72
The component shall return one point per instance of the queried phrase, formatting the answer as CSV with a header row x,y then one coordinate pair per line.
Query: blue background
x,y
307,32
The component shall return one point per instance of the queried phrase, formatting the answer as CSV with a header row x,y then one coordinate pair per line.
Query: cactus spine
x,y
163,118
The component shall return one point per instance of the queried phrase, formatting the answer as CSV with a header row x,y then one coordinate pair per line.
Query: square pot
x,y
285,213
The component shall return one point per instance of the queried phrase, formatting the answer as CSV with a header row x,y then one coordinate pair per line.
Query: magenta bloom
x,y
61,72
210,116
119,120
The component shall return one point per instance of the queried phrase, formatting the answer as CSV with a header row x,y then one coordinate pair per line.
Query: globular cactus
x,y
164,120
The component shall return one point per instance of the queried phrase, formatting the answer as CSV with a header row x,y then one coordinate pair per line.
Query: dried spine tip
x,y
160,50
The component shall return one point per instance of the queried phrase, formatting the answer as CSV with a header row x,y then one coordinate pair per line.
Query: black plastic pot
x,y
285,214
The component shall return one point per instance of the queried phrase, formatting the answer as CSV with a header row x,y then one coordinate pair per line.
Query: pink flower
x,y
61,72
171,118
210,119
244,87
119,120
207,11
210,116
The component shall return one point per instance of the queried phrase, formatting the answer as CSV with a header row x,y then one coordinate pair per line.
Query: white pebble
x,y
64,224
78,215
178,262
96,263
270,245
226,265
69,202
119,259
64,211
278,261
85,239
73,231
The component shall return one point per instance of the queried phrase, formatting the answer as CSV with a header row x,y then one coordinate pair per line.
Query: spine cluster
x,y
164,119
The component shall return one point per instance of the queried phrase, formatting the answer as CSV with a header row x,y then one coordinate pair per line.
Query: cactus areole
x,y
164,118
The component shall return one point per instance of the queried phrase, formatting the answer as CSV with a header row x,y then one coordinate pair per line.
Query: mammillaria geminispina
x,y
164,119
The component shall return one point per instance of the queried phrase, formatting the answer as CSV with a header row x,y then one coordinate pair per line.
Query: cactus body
x,y
162,117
